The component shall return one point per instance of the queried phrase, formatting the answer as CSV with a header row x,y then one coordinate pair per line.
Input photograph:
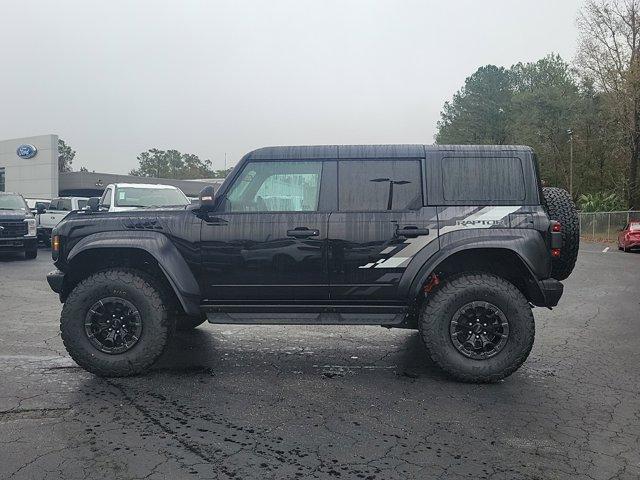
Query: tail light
x,y
556,239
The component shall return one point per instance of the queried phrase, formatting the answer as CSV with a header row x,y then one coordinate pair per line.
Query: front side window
x,y
276,187
82,204
149,197
379,185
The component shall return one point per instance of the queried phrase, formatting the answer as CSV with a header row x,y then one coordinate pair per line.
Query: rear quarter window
x,y
480,179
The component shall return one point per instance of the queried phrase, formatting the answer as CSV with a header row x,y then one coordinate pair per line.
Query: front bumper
x,y
18,243
56,281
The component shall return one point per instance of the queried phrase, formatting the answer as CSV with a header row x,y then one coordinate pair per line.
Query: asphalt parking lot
x,y
327,402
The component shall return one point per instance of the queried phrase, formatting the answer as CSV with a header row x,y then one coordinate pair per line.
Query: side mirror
x,y
207,198
94,204
40,208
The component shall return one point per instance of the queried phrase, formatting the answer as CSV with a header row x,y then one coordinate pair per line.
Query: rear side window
x,y
478,179
379,185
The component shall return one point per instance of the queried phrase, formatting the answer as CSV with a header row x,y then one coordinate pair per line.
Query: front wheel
x,y
115,323
31,254
478,327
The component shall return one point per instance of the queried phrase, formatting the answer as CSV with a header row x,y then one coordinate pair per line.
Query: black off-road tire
x,y
139,289
560,207
186,323
31,254
438,311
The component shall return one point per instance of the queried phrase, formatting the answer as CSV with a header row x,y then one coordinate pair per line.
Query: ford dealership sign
x,y
26,151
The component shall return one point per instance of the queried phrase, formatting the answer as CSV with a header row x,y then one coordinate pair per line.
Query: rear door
x,y
379,226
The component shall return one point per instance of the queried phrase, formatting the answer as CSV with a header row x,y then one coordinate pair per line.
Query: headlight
x,y
31,227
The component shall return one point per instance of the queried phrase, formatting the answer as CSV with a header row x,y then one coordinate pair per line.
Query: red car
x,y
629,237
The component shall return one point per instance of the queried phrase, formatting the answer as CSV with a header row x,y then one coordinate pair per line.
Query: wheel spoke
x,y
113,325
479,330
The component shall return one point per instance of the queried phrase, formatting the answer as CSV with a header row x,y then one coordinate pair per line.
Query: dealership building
x,y
29,166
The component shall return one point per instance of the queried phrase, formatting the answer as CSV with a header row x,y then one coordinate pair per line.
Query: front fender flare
x,y
169,259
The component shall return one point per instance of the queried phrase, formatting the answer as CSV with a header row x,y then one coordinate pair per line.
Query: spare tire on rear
x,y
560,207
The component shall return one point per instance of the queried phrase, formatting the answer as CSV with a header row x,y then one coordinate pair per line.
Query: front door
x,y
380,225
268,242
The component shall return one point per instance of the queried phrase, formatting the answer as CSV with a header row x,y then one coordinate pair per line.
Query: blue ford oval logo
x,y
26,151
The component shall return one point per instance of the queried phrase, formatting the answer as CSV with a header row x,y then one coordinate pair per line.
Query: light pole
x,y
570,133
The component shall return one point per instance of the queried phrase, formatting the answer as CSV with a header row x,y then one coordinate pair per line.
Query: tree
x,y
172,164
545,100
545,104
65,156
609,55
479,111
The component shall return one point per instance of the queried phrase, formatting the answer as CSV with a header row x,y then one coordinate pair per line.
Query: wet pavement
x,y
327,402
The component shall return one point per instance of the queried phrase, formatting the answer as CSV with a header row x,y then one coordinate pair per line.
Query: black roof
x,y
366,151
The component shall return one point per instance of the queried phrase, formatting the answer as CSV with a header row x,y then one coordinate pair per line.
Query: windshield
x,y
149,197
12,202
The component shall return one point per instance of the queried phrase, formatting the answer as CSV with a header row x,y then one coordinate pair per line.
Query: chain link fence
x,y
604,226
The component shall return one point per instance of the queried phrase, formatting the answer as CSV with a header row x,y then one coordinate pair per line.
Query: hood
x,y
8,215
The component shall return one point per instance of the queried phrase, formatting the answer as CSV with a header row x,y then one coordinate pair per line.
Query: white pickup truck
x,y
57,210
120,197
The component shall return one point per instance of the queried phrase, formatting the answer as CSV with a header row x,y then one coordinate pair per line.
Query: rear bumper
x,y
56,281
551,291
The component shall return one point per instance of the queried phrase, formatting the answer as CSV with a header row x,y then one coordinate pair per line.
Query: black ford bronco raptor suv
x,y
458,242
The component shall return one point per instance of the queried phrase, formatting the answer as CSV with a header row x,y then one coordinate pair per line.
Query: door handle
x,y
303,232
411,231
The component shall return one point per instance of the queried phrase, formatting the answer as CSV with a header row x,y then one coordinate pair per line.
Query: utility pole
x,y
225,160
570,133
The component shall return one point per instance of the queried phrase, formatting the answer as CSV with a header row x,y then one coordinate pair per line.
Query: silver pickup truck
x,y
58,209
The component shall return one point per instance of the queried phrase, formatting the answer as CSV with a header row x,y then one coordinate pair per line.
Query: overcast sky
x,y
115,78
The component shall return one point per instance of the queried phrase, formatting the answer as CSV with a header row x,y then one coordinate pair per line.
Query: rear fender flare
x,y
527,245
169,259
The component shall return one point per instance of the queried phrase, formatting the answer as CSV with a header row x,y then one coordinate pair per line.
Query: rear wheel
x,y
115,323
560,207
477,327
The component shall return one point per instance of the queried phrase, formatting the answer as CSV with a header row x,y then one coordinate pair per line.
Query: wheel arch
x,y
500,260
147,251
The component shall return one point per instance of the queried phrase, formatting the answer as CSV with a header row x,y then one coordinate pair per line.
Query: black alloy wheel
x,y
479,330
113,325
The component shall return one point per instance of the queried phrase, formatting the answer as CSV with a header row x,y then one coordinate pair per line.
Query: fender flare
x,y
169,259
526,245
